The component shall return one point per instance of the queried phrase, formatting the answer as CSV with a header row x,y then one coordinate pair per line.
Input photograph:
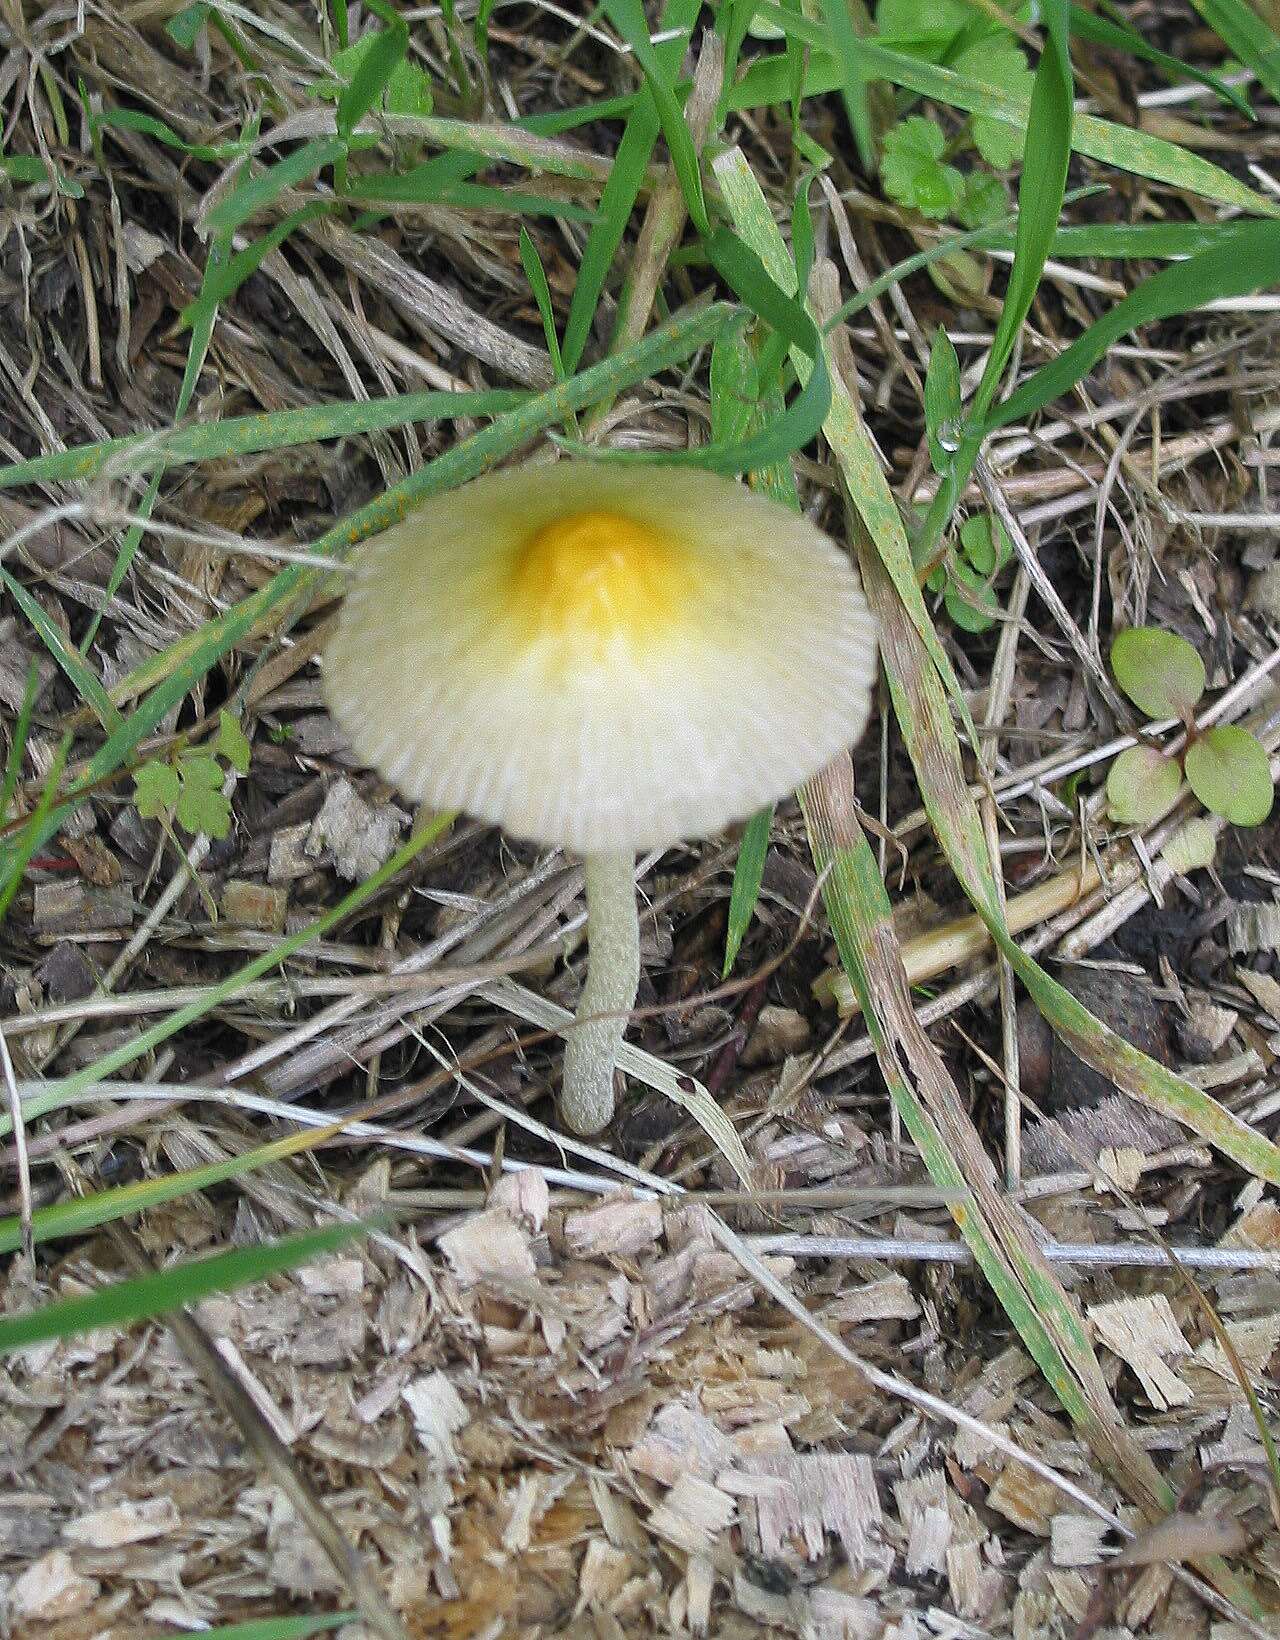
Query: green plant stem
x,y
613,977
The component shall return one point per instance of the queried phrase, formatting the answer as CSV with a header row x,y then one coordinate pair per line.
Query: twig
x,y
1105,1255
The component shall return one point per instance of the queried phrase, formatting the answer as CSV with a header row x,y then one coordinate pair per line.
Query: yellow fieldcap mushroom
x,y
604,658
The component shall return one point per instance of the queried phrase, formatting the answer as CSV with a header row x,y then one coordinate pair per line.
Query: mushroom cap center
x,y
593,577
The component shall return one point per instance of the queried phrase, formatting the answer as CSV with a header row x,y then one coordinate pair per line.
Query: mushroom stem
x,y
613,977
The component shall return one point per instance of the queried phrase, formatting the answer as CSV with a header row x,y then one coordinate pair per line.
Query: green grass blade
x,y
224,278
389,188
736,406
145,1296
853,84
250,435
621,190
628,18
1146,241
749,211
33,832
1244,258
748,875
133,119
860,915
183,28
1116,36
263,190
84,679
1040,191
81,1213
617,201
271,1628
800,421
942,400
1246,36
740,267
18,743
536,274
376,66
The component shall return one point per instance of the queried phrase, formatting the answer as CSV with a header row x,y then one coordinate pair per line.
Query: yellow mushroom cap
x,y
601,657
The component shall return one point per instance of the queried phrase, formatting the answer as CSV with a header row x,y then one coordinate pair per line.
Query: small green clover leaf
x,y
968,599
407,91
999,63
202,806
1159,671
1228,771
231,743
911,18
983,201
912,169
156,789
1142,785
986,543
930,27
965,578
191,788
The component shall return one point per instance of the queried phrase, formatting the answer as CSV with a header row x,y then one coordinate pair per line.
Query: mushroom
x,y
605,658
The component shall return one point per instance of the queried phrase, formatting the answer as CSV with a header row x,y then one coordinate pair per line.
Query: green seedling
x,y
965,577
916,168
188,788
405,89
1225,767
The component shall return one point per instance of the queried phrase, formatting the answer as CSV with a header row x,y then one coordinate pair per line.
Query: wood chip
x,y
778,1033
699,1580
838,1615
438,1413
289,859
619,1226
1022,1497
973,1585
681,1439
74,908
1204,1031
525,1195
819,1494
604,1574
255,905
51,1588
1258,1227
128,1522
360,837
488,1244
692,1515
1077,1540
929,1541
1253,928
1144,1333
1254,1341
1123,1167
889,1299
